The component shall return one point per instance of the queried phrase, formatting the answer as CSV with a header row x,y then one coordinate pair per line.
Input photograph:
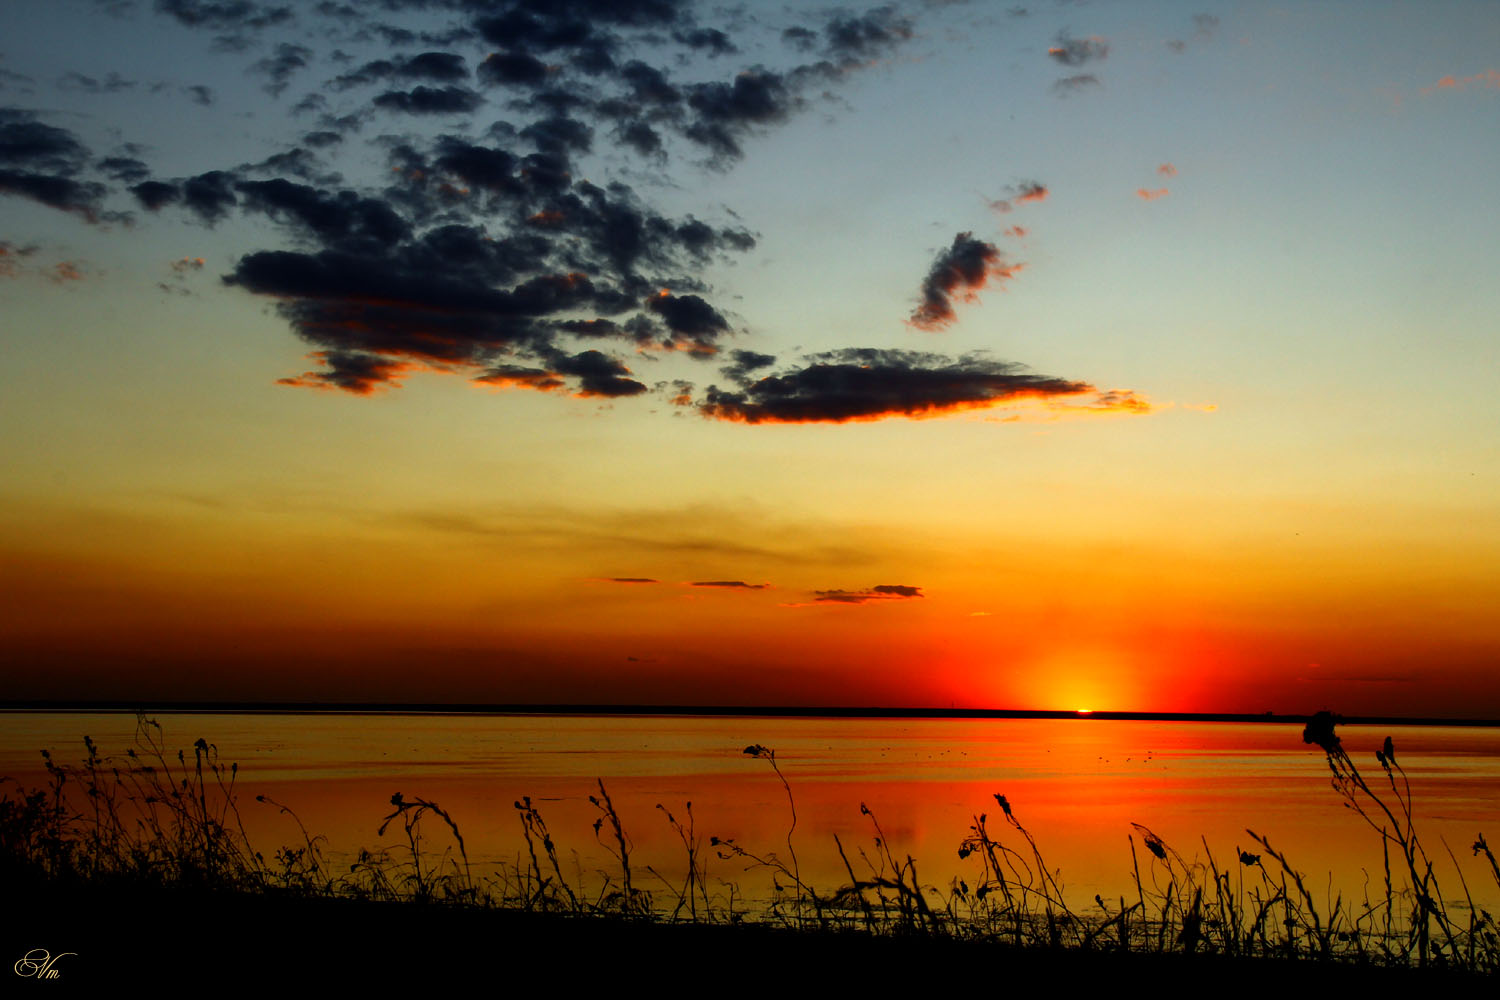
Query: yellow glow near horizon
x,y
1095,676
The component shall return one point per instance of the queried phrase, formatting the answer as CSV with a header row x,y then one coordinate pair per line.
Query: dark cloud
x,y
520,377
641,137
867,35
430,100
559,134
154,195
575,31
649,85
380,298
126,169
630,579
396,36
871,384
731,584
355,372
26,142
724,113
111,84
1077,82
503,68
881,592
487,168
897,590
694,325
297,162
483,251
435,67
743,363
440,67
597,327
598,374
412,300
959,272
1078,51
282,66
221,15
798,37
209,196
41,162
567,23
83,198
199,94
712,40
343,221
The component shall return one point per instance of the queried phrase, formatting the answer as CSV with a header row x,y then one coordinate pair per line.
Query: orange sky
x,y
1159,378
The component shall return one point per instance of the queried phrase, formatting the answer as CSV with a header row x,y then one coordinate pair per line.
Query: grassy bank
x,y
153,839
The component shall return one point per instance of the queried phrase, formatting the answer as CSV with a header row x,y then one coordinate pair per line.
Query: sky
x,y
1107,355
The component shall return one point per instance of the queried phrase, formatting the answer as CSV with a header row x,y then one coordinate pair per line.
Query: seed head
x,y
1319,730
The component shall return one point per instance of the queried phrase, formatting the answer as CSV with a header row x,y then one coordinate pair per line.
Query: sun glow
x,y
1080,679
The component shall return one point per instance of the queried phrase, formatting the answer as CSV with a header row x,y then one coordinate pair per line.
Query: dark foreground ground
x,y
181,941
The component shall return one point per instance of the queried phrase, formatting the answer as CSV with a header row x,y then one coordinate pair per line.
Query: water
x,y
1078,786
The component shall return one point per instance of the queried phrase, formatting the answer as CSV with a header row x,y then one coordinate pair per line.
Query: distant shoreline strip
x,y
712,711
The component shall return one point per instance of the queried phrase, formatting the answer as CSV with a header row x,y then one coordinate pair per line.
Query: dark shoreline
x,y
112,934
705,711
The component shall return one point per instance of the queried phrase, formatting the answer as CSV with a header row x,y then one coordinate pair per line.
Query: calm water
x,y
1078,786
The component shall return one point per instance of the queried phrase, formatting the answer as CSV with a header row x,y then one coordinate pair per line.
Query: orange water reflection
x,y
1077,785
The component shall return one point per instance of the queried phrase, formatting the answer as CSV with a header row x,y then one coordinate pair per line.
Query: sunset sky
x,y
1128,356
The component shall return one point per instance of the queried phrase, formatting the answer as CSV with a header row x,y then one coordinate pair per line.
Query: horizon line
x,y
761,711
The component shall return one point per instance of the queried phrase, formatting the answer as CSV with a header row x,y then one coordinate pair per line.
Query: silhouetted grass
x,y
151,820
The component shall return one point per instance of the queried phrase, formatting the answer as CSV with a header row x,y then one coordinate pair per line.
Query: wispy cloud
x,y
1075,83
959,272
1070,51
1204,27
1490,78
880,592
1022,193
